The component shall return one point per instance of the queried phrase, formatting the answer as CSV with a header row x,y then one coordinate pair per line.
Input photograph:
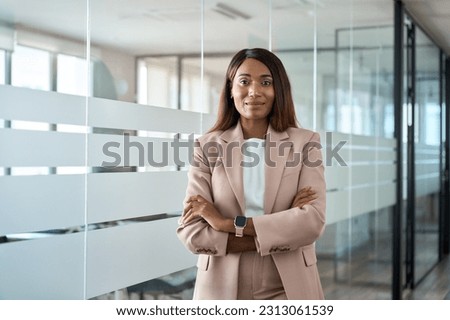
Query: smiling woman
x,y
258,69
253,94
155,70
261,220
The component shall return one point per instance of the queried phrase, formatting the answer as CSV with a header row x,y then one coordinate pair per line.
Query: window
x,y
30,68
71,73
158,82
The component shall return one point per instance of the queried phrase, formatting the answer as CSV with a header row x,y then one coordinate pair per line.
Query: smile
x,y
254,103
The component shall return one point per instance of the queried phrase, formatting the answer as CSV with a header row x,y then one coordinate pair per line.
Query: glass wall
x,y
2,66
42,212
358,101
151,72
427,140
423,154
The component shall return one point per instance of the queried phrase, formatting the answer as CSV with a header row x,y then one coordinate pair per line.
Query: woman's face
x,y
252,90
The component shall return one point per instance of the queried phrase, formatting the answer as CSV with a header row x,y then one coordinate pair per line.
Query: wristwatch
x,y
240,222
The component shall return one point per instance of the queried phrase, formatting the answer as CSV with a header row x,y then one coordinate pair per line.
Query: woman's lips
x,y
254,103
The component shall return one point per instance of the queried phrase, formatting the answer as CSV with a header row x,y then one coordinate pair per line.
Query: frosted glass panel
x,y
43,268
2,67
28,148
128,254
146,194
26,203
37,106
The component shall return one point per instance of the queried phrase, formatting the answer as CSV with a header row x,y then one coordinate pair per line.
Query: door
x,y
423,155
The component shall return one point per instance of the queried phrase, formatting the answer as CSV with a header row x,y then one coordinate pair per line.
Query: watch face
x,y
240,221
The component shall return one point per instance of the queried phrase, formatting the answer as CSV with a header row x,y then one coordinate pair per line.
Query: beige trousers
x,y
259,278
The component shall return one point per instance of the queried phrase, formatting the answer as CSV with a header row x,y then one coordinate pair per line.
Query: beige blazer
x,y
286,234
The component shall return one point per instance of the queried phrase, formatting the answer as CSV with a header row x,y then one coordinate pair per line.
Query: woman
x,y
255,201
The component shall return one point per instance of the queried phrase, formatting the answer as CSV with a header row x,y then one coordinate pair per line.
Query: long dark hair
x,y
282,115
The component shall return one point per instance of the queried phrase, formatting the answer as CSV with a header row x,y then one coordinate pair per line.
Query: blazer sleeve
x,y
293,228
198,236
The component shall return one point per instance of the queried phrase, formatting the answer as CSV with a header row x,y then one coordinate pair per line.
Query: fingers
x,y
189,204
305,190
190,213
302,204
197,198
197,207
190,199
193,208
187,216
188,207
303,197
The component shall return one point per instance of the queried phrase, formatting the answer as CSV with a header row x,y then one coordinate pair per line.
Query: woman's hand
x,y
303,197
199,207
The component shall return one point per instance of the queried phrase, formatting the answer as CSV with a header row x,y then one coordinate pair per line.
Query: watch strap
x,y
239,232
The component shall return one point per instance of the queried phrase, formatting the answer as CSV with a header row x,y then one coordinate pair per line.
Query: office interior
x,y
372,77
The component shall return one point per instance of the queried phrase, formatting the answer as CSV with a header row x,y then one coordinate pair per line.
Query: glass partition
x,y
2,66
215,67
127,31
42,213
427,155
146,67
354,80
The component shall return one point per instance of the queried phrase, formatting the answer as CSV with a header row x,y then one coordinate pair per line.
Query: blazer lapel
x,y
232,157
277,152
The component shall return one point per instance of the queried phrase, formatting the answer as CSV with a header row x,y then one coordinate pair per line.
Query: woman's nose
x,y
254,90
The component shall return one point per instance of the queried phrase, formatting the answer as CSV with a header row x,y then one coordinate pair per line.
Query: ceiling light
x,y
230,12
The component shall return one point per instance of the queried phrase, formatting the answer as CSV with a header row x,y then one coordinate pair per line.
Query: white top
x,y
253,173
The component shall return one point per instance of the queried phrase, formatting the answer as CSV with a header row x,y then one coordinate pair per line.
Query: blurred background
x,y
370,75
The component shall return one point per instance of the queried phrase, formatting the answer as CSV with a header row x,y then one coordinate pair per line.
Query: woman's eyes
x,y
264,83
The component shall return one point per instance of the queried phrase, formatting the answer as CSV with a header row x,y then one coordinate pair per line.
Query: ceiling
x,y
434,17
145,27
